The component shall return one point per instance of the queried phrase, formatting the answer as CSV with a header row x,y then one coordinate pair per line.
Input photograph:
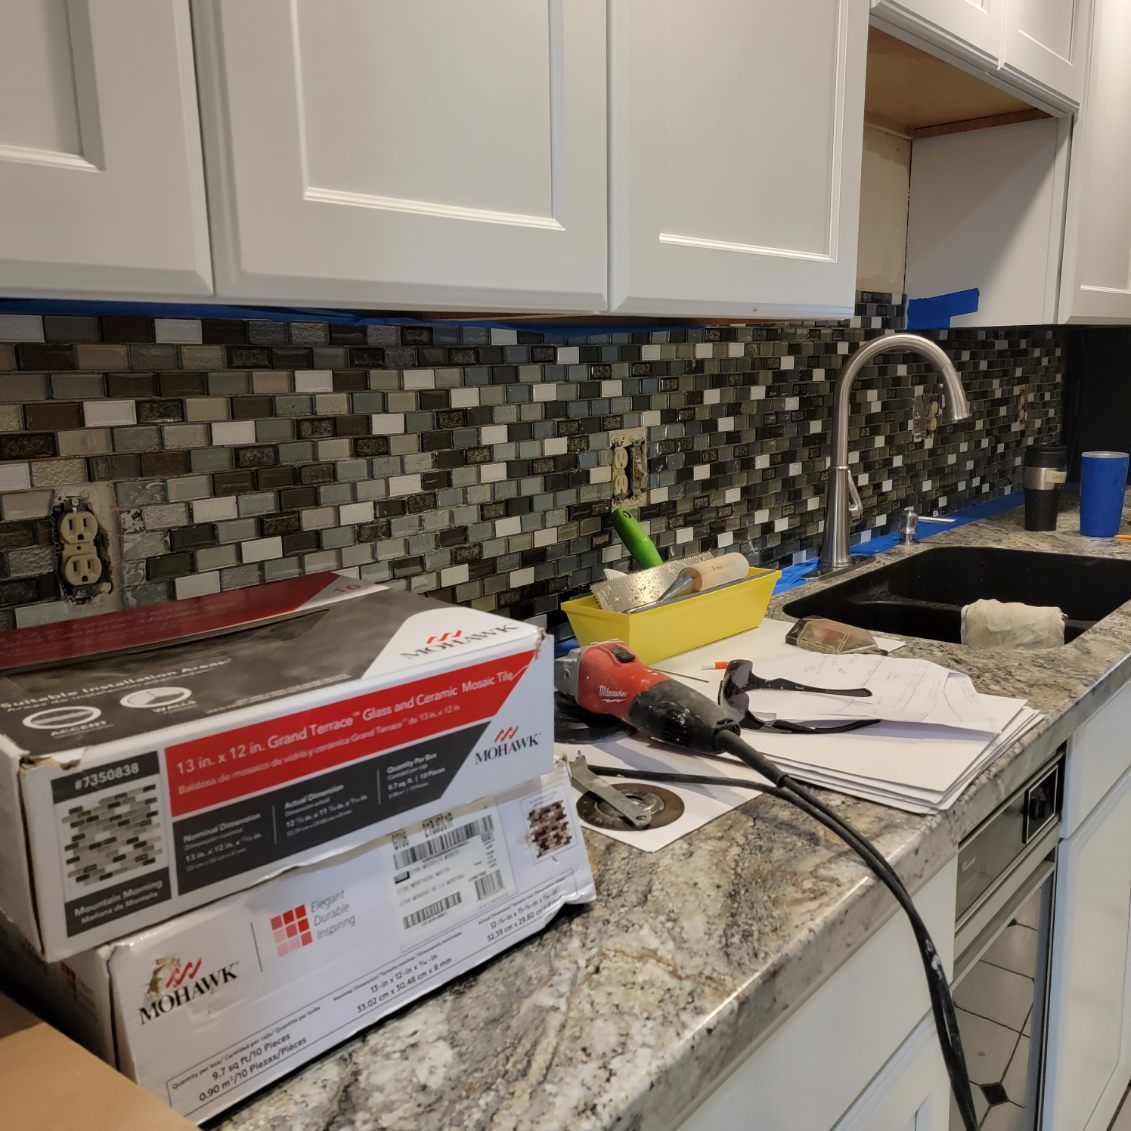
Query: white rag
x,y
1011,624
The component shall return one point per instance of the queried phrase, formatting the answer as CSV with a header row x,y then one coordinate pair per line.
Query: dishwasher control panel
x,y
993,850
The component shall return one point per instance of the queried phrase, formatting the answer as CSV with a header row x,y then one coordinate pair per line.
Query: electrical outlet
x,y
628,448
77,528
82,550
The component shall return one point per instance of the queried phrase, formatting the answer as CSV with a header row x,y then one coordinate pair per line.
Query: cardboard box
x,y
48,1081
204,745
207,1008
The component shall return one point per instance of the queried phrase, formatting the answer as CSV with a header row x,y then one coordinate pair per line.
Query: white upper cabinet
x,y
965,27
1047,41
735,136
1096,269
1038,47
406,154
100,165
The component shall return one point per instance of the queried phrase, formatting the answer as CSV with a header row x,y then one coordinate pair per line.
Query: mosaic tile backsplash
x,y
471,462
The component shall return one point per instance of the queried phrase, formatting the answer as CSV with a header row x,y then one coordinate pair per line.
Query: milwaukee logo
x,y
611,693
181,986
458,639
508,745
181,972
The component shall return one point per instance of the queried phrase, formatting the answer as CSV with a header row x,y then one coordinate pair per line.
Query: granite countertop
x,y
623,1014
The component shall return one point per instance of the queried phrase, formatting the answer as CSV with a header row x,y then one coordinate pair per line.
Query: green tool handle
x,y
636,539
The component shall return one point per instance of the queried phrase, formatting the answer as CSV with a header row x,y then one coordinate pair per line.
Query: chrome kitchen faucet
x,y
843,500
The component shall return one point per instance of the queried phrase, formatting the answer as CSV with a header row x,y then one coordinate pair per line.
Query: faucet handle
x,y
855,506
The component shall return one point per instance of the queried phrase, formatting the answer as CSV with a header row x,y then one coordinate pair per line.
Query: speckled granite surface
x,y
620,1015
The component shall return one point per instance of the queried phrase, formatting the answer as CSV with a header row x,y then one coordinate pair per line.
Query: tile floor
x,y
995,1006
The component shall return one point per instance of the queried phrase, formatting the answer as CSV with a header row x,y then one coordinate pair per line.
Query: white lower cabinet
x,y
860,1053
912,1093
1088,1057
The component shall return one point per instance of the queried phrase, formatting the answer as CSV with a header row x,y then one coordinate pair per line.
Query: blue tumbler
x,y
1103,479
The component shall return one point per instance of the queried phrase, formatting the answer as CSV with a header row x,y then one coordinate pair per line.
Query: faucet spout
x,y
843,498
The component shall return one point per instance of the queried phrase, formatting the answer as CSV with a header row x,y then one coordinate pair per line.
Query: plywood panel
x,y
910,87
884,186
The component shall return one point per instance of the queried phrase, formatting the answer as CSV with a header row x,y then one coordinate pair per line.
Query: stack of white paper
x,y
919,768
899,691
935,735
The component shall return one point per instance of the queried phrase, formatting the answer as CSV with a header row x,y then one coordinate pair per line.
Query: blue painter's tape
x,y
94,307
935,313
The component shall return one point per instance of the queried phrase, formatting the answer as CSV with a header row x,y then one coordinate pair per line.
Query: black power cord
x,y
787,789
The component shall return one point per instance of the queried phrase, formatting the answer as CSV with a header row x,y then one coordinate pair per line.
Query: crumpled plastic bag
x,y
1011,624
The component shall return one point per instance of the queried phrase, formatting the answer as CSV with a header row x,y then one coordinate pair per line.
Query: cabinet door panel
x,y
969,28
735,138
437,154
1047,41
1086,1066
100,164
1096,274
1098,756
912,1093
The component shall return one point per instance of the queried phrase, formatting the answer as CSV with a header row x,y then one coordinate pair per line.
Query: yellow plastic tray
x,y
655,634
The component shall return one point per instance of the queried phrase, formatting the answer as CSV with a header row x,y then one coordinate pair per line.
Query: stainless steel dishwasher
x,y
1006,873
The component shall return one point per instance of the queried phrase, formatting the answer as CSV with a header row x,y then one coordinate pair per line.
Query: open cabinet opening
x,y
962,189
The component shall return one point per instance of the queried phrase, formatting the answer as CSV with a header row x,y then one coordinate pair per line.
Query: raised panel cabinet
x,y
1046,41
427,153
1088,1056
100,165
1096,270
865,1031
967,28
912,1093
735,132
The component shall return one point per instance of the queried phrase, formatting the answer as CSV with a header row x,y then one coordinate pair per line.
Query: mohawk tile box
x,y
197,748
207,1008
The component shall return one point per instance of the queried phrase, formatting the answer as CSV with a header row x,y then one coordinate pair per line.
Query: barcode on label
x,y
425,914
488,885
445,842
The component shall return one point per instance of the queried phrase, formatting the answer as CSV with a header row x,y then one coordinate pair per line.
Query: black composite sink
x,y
923,594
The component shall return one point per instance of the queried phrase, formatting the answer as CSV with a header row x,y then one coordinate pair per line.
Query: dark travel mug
x,y
1045,469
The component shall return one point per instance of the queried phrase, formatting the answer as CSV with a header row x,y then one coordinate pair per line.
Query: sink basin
x,y
923,594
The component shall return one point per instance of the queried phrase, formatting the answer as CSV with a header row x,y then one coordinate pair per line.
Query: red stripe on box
x,y
234,763
157,624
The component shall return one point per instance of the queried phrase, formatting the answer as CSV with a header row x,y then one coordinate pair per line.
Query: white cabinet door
x,y
1098,756
1046,41
971,29
1087,1061
1096,272
735,138
912,1093
835,1045
429,154
100,165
